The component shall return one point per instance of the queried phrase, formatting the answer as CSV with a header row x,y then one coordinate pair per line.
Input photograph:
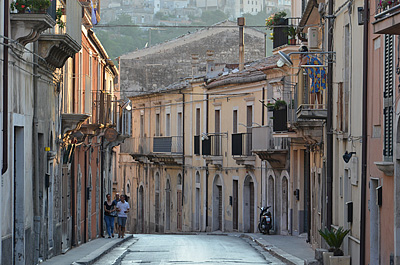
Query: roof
x,y
253,72
189,38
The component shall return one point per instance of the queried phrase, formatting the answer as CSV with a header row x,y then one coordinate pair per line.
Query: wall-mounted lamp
x,y
347,156
360,14
283,59
126,104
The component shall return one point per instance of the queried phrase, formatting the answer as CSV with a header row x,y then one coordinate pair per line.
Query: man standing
x,y
123,210
116,218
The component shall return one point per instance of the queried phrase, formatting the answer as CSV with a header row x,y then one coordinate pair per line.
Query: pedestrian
x,y
123,210
109,213
116,217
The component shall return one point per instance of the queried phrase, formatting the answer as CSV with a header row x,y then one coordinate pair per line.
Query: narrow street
x,y
187,249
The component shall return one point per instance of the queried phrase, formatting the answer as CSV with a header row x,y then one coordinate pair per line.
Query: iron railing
x,y
241,144
212,145
168,144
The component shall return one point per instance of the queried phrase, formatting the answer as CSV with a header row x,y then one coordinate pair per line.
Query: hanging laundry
x,y
317,74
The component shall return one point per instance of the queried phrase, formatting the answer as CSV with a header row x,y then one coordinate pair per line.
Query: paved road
x,y
188,250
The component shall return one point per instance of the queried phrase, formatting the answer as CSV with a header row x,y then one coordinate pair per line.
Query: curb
x,y
98,253
277,252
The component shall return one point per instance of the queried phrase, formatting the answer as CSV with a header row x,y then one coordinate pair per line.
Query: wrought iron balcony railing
x,y
242,144
212,145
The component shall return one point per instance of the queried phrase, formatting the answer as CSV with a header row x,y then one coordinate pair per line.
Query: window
x,y
217,121
168,124
141,126
180,124
249,122
157,124
235,121
198,129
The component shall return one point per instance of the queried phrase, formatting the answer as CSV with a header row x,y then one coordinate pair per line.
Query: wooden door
x,y
179,209
235,205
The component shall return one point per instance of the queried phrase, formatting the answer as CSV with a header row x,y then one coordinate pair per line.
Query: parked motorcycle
x,y
265,223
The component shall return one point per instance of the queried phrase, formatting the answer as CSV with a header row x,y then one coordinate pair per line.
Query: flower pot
x,y
326,256
339,260
292,41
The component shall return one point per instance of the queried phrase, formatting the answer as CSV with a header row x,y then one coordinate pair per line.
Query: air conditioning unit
x,y
312,38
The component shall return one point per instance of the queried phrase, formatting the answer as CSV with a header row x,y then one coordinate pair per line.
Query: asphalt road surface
x,y
188,250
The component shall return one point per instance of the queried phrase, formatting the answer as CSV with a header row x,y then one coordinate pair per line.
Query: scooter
x,y
265,223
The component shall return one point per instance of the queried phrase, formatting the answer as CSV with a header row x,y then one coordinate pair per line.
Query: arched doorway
x,y
179,203
271,194
248,207
217,204
168,205
285,204
157,202
197,201
141,210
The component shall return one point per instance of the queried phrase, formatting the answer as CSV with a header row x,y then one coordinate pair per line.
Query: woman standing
x,y
109,213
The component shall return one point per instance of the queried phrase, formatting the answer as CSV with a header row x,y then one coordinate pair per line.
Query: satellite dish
x,y
283,59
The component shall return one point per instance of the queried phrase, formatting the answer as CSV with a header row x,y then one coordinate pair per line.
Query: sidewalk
x,y
293,249
87,253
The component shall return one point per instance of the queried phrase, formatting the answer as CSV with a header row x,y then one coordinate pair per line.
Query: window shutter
x,y
388,99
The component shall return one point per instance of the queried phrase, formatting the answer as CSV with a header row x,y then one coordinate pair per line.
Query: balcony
x,y
165,150
272,149
242,149
312,111
387,18
168,150
27,27
212,149
55,49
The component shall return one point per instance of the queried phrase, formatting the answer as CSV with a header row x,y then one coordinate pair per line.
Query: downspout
x,y
329,140
86,198
5,88
207,173
364,136
73,199
183,147
36,205
102,160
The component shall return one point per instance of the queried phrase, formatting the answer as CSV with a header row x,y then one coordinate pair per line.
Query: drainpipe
x,y
5,89
183,147
364,136
241,22
36,205
207,173
73,198
86,198
329,140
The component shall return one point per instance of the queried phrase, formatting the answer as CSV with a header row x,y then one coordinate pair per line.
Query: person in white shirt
x,y
123,210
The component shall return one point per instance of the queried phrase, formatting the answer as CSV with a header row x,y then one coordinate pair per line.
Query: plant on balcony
x,y
31,6
21,6
291,31
59,14
275,19
334,239
280,104
385,3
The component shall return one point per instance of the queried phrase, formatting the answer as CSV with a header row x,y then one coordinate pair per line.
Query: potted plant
x,y
292,35
30,6
59,21
270,106
275,19
280,116
334,239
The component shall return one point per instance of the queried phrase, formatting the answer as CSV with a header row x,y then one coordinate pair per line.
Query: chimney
x,y
210,61
241,22
195,62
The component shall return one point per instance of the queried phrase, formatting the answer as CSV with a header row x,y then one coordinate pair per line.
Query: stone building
x,y
50,72
152,68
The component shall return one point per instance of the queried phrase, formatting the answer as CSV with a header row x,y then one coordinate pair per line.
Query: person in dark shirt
x,y
109,214
116,217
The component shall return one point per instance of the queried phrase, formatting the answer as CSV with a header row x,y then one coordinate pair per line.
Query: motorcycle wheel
x,y
259,228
